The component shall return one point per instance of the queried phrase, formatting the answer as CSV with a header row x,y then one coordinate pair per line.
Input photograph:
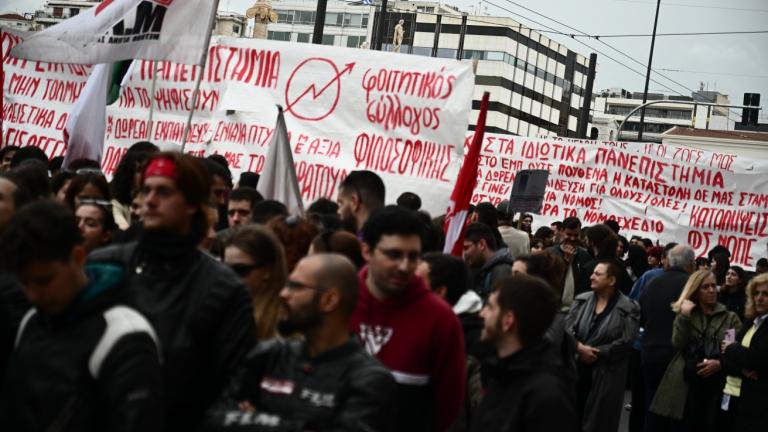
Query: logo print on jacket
x,y
374,337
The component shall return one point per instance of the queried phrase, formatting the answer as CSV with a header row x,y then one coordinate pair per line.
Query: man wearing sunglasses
x,y
325,381
409,329
201,310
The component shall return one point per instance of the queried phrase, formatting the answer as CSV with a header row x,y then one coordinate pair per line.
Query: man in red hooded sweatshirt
x,y
409,329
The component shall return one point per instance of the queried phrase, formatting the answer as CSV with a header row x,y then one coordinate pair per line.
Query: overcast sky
x,y
731,64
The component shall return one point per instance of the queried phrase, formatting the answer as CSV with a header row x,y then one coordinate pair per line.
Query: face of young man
x,y
164,206
90,221
239,212
473,253
348,203
392,263
51,286
301,299
219,191
491,314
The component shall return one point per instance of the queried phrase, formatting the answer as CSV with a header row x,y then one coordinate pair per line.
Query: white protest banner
x,y
114,30
669,193
401,116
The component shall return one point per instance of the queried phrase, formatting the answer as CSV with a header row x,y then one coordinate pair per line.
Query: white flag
x,y
113,30
278,179
84,132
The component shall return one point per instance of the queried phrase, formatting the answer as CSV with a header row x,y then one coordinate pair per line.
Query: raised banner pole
x,y
203,60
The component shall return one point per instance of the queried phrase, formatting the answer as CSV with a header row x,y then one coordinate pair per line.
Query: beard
x,y
491,333
302,319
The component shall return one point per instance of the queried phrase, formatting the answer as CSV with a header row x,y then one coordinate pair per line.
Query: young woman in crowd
x,y
295,234
732,293
257,256
88,183
692,384
96,224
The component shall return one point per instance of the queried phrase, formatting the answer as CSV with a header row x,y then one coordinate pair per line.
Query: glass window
x,y
305,17
364,22
446,53
494,55
352,20
422,51
354,41
57,12
236,29
281,36
285,17
329,39
331,18
73,11
304,37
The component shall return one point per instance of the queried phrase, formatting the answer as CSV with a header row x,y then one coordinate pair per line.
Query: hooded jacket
x,y
93,367
419,338
202,314
525,394
342,389
497,266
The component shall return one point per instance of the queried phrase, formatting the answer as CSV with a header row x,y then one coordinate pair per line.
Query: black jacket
x,y
94,367
526,394
344,389
752,414
13,306
579,259
203,317
656,315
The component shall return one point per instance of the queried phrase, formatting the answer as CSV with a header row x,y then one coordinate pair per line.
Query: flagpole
x,y
203,60
152,99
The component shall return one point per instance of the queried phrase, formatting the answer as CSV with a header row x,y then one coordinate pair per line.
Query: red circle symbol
x,y
313,89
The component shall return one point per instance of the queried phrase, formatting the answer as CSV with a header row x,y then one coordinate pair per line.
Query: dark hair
x,y
323,206
20,196
59,180
571,223
537,242
82,163
624,243
7,149
544,233
409,200
249,179
486,214
133,160
718,250
55,163
701,261
217,168
613,225
341,242
448,271
107,217
33,174
368,186
723,264
391,220
41,231
265,210
742,276
29,152
295,234
547,266
637,260
604,240
557,224
479,231
647,242
612,269
532,301
762,262
245,193
193,182
81,180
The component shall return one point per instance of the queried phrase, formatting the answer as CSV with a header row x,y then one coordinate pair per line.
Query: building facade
x,y
15,21
611,106
56,11
230,24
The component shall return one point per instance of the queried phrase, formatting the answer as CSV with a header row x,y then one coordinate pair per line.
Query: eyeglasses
x,y
398,255
293,285
243,270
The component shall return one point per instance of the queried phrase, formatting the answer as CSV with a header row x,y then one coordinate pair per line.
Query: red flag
x,y
456,216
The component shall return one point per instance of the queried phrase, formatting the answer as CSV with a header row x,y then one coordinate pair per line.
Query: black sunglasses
x,y
243,270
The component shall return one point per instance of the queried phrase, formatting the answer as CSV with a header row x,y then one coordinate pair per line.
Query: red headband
x,y
161,167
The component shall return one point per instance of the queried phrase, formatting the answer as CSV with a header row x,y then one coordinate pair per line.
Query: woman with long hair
x,y
745,360
732,293
88,183
691,387
257,256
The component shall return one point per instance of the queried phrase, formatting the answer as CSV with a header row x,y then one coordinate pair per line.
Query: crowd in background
x,y
176,298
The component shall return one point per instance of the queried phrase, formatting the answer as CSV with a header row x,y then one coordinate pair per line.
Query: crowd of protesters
x,y
173,298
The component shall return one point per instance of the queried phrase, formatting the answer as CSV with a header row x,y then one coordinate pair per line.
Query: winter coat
x,y
525,394
202,314
93,367
343,389
497,267
613,336
657,315
669,400
752,413
518,241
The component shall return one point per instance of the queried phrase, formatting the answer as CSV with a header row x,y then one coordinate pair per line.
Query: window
x,y
333,19
236,29
304,37
352,20
277,35
285,17
364,23
329,39
354,41
304,17
73,11
446,53
58,12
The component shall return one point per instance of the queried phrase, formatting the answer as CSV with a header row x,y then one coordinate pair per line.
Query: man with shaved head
x,y
326,381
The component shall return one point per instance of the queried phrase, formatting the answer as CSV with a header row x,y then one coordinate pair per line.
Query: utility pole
x,y
648,73
381,30
317,34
